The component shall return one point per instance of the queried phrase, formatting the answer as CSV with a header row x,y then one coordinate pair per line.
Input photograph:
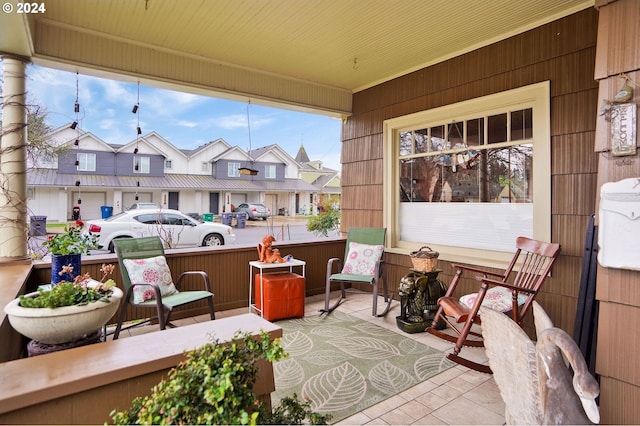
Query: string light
x,y
136,166
74,125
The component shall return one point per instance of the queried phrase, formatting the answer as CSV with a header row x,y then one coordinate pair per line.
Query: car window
x,y
243,206
115,216
149,219
173,219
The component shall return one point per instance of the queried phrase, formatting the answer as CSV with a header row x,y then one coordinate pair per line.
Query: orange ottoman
x,y
283,295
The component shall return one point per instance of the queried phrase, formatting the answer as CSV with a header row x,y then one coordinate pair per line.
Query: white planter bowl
x,y
62,325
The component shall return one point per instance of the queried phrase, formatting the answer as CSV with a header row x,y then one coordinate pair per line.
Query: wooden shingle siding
x,y
562,52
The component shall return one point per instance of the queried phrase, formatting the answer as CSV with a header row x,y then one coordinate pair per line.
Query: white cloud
x,y
184,123
230,122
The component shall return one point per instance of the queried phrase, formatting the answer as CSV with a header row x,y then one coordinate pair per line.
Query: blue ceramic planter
x,y
60,260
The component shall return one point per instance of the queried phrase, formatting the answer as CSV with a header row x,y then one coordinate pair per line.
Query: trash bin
x,y
107,211
241,220
38,225
207,217
227,218
75,215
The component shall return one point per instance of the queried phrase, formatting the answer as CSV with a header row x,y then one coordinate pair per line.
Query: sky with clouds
x,y
184,119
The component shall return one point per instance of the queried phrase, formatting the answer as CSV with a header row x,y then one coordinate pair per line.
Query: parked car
x,y
254,210
143,206
171,226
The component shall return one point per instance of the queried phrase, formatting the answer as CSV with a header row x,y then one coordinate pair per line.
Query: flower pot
x,y
62,325
58,261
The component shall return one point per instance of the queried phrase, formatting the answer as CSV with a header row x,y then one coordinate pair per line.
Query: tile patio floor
x,y
454,397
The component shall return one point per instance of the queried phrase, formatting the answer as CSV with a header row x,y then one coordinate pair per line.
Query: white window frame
x,y
233,169
536,96
144,164
168,164
86,162
270,171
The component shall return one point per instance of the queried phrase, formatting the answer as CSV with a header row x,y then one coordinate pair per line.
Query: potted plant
x,y
68,311
67,248
214,385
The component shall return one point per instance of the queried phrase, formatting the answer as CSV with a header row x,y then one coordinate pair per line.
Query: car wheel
x,y
213,240
112,247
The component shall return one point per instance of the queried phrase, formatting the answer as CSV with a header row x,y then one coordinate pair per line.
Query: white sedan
x,y
174,228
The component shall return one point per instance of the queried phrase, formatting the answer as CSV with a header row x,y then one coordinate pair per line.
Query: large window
x,y
86,162
270,171
468,178
233,169
141,164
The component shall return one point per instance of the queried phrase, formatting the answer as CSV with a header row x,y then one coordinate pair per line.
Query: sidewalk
x,y
278,220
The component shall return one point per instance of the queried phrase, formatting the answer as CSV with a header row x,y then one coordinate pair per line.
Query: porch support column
x,y
13,161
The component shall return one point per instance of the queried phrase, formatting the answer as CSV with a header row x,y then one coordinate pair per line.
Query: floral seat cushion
x,y
496,298
362,259
149,271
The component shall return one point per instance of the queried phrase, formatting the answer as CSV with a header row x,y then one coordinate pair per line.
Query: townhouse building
x,y
87,174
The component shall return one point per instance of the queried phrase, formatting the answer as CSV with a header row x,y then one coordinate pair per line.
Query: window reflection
x,y
497,128
422,141
437,139
489,176
475,132
406,140
522,124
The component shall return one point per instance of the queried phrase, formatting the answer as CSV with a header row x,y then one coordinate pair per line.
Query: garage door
x,y
271,201
237,199
91,203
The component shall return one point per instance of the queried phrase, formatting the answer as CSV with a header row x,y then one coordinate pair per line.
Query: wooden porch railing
x,y
227,266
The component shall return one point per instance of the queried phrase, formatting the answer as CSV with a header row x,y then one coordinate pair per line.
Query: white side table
x,y
261,266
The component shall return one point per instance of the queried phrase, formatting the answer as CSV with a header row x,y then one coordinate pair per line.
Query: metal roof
x,y
50,177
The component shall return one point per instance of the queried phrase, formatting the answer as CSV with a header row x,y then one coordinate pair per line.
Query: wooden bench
x,y
83,385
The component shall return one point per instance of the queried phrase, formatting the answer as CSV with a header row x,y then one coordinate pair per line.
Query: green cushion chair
x,y
362,264
146,248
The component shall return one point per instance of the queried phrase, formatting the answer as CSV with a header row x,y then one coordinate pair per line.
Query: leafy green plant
x,y
71,241
214,385
328,220
82,291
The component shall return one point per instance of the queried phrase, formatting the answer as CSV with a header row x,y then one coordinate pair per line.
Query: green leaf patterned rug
x,y
343,364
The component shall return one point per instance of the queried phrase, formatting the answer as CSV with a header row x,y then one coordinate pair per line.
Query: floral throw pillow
x,y
151,270
362,259
496,298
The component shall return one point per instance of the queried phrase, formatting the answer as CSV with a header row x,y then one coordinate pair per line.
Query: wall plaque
x,y
623,129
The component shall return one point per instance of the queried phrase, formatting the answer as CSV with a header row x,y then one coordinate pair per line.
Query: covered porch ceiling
x,y
304,55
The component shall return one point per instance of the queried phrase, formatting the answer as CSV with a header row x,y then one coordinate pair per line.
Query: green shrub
x,y
328,220
214,385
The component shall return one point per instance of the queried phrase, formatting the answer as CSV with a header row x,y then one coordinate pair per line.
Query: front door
x,y
173,200
214,202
